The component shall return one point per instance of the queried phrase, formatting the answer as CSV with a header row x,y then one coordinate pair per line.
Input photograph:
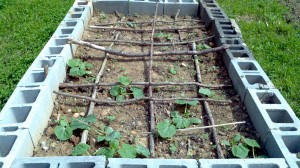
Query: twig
x,y
199,79
175,18
211,126
145,30
145,54
158,21
222,86
145,43
137,99
46,70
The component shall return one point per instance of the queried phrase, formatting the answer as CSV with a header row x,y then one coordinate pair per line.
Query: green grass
x,y
274,42
25,27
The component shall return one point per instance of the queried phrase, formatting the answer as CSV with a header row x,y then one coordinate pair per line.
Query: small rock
x,y
49,131
82,114
54,115
63,107
69,110
45,148
92,141
43,143
139,123
76,115
183,64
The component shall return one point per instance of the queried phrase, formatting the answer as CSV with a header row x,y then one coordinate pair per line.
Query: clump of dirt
x,y
133,120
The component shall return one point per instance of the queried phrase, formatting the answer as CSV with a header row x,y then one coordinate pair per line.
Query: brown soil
x,y
132,120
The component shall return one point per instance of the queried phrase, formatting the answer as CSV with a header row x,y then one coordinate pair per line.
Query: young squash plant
x,y
240,146
167,128
79,68
120,92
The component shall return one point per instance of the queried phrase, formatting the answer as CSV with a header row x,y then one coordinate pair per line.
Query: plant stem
x,y
253,152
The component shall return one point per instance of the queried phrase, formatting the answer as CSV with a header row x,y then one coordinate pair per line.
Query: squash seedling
x,y
79,68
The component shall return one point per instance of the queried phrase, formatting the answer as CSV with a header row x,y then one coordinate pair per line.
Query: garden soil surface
x,y
132,120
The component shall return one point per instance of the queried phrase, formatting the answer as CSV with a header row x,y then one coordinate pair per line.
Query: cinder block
x,y
110,6
37,77
211,11
71,28
284,144
83,3
60,162
186,7
27,108
15,144
226,29
145,7
268,111
243,163
81,13
248,74
151,163
5,163
49,52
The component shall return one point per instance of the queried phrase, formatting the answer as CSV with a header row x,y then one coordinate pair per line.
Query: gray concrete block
x,y
27,108
81,13
84,3
243,163
60,162
15,144
5,163
268,111
145,7
211,11
151,163
110,6
71,28
49,52
248,74
226,29
186,7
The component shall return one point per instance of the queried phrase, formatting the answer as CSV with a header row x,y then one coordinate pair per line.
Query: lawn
x,y
274,42
26,26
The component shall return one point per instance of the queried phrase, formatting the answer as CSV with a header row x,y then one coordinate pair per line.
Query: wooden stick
x,y
145,43
46,70
158,21
146,54
145,30
222,86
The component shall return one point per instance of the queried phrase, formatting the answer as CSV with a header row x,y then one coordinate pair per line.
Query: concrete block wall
x,y
33,100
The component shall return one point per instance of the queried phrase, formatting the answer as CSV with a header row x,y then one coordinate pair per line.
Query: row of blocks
x,y
100,162
273,118
147,7
26,113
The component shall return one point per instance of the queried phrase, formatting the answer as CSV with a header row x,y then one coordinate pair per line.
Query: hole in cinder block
x,y
229,32
67,31
268,98
36,77
173,0
78,9
80,165
298,163
236,48
16,114
172,166
26,96
288,129
187,0
82,3
226,166
7,142
292,142
240,55
211,5
218,16
50,63
61,41
268,165
55,50
1,164
247,66
76,15
70,24
133,166
8,129
35,165
279,116
232,41
255,79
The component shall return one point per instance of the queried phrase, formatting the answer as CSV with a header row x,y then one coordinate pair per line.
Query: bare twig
x,y
145,54
67,85
46,70
145,30
197,64
158,21
145,43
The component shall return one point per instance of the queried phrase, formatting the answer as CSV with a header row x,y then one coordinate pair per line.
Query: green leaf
x,y
63,132
192,102
115,91
181,102
88,65
225,142
173,71
202,46
175,114
127,151
90,118
194,120
140,149
189,102
206,92
137,92
251,142
114,135
181,122
240,151
159,35
74,63
101,138
132,25
236,138
82,123
165,129
75,71
173,148
124,80
114,144
80,149
108,152
120,98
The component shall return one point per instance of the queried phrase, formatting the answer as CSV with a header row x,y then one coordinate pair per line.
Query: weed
x,y
172,70
202,46
79,68
167,36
